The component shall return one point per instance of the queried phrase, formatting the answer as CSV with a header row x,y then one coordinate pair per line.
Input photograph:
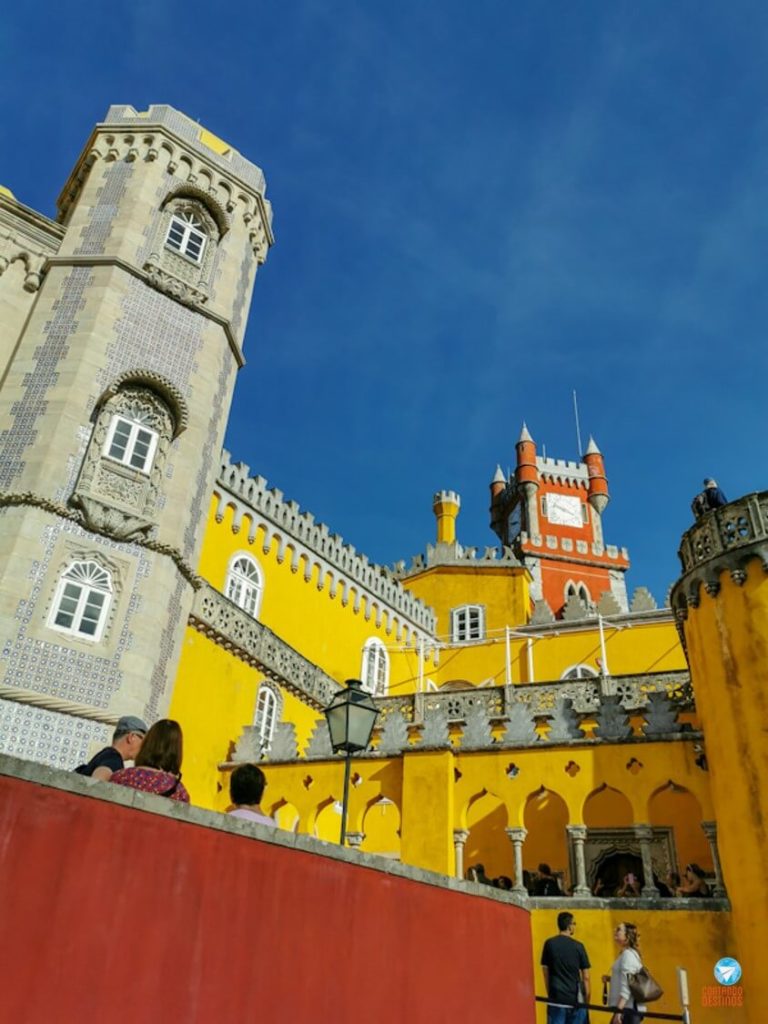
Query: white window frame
x,y
463,629
580,671
374,671
245,589
192,232
80,582
265,716
133,439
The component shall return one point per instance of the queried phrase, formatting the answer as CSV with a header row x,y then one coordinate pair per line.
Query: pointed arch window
x,y
244,584
265,718
82,601
374,673
187,235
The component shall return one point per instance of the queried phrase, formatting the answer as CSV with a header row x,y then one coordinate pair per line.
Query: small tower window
x,y
187,235
82,600
265,719
467,623
375,669
244,584
131,442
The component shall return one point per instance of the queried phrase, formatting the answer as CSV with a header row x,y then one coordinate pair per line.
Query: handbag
x,y
643,986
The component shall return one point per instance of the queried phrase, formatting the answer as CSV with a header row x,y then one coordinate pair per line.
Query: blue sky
x,y
478,208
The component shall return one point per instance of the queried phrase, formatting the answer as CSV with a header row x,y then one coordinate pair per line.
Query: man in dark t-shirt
x,y
565,964
126,743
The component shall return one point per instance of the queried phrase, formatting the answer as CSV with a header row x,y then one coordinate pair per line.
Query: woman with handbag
x,y
627,963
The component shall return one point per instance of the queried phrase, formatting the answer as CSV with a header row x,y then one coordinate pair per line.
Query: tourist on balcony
x,y
126,743
627,962
565,965
694,882
546,883
246,789
711,497
158,764
630,887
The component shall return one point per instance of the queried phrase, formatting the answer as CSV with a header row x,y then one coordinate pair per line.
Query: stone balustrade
x,y
722,540
216,617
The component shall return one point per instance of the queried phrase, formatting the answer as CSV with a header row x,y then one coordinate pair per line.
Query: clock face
x,y
564,510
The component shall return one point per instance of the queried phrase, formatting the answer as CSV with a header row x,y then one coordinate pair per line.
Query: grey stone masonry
x,y
124,331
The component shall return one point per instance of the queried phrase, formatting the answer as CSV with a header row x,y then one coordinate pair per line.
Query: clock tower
x,y
550,513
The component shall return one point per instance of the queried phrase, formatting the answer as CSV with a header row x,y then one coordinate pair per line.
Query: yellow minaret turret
x,y
446,505
721,603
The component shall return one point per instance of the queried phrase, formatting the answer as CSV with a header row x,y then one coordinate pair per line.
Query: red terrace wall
x,y
109,913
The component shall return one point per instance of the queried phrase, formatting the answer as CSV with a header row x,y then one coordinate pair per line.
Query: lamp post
x,y
351,716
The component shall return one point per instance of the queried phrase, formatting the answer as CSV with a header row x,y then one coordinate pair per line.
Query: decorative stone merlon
x,y
723,540
317,550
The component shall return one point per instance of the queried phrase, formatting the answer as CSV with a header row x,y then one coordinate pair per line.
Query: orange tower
x,y
550,513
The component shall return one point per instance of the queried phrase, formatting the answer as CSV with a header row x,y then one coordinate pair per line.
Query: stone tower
x,y
121,330
550,513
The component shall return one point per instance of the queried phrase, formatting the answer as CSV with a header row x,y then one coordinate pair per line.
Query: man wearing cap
x,y
126,743
711,497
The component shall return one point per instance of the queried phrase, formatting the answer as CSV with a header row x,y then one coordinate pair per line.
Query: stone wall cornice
x,y
41,230
723,540
231,180
338,565
152,281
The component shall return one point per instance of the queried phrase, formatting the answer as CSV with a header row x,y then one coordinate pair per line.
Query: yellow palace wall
x,y
694,939
215,692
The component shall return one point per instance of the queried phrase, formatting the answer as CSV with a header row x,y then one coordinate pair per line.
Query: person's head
x,y
709,482
128,736
626,935
503,882
246,785
565,922
544,869
693,871
162,747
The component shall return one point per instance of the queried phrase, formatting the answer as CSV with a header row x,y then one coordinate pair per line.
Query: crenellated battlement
x,y
337,564
456,554
563,471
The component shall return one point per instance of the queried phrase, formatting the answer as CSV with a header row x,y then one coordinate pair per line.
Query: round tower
x,y
446,505
498,486
721,604
527,477
598,496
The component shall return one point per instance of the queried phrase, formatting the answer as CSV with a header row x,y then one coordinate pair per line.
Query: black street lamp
x,y
351,717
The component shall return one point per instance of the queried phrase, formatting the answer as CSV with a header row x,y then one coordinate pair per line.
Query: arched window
x,y
467,623
130,440
244,584
265,718
187,235
579,672
579,591
82,600
375,669
584,595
